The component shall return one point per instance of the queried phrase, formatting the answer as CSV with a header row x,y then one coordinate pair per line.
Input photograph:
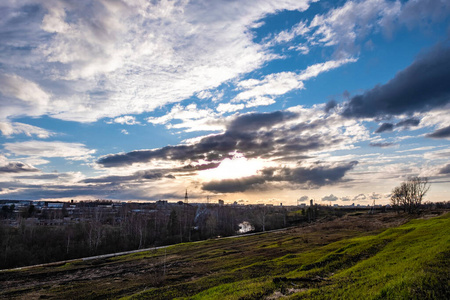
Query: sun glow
x,y
233,168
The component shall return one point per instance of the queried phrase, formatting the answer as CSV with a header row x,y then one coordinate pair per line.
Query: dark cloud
x,y
330,105
40,176
257,121
17,167
440,133
422,86
360,197
330,198
382,145
412,122
445,170
405,124
304,198
385,127
233,185
152,174
312,177
252,135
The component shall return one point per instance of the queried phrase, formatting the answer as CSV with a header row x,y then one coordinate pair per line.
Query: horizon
x,y
265,102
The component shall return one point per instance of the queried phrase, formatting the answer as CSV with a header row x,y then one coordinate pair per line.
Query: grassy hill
x,y
354,257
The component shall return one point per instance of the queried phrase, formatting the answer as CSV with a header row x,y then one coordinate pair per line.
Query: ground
x,y
310,261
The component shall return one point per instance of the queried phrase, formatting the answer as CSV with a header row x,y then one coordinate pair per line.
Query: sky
x,y
268,101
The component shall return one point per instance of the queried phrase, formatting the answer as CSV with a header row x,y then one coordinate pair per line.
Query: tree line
x,y
128,229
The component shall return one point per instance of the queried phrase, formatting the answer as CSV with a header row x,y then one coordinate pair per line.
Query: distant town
x,y
60,213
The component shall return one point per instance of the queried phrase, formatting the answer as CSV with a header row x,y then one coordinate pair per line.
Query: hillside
x,y
371,256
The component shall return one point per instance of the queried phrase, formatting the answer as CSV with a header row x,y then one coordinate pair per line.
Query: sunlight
x,y
236,167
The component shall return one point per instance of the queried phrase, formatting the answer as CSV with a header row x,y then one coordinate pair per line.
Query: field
x,y
382,256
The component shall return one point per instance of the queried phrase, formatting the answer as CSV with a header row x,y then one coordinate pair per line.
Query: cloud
x,y
420,87
107,59
192,118
403,125
445,169
271,85
243,135
257,121
303,198
329,198
360,197
228,107
330,105
17,87
14,128
300,29
411,122
152,174
17,167
21,96
385,127
71,151
309,177
278,135
382,145
124,131
346,27
375,196
281,83
128,120
442,133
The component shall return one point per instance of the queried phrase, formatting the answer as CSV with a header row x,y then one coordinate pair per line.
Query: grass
x,y
351,258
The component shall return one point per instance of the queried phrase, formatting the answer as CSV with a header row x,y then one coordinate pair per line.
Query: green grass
x,y
343,259
408,262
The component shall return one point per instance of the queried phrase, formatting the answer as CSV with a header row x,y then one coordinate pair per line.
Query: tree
x,y
410,193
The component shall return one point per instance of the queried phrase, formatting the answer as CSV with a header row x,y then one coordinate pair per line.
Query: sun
x,y
233,168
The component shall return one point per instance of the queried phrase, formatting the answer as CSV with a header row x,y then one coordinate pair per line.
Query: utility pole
x,y
186,210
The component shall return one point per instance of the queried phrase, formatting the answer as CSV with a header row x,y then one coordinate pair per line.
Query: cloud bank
x,y
420,87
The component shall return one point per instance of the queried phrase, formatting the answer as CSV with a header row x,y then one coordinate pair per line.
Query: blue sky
x,y
251,101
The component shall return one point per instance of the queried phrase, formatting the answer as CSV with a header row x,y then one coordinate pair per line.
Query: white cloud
x,y
21,96
183,113
124,131
228,107
426,148
20,88
273,84
106,59
192,118
128,120
300,29
354,20
346,27
9,129
260,101
303,49
260,91
38,149
314,70
438,118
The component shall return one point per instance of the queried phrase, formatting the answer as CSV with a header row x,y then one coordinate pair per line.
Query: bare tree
x,y
410,193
